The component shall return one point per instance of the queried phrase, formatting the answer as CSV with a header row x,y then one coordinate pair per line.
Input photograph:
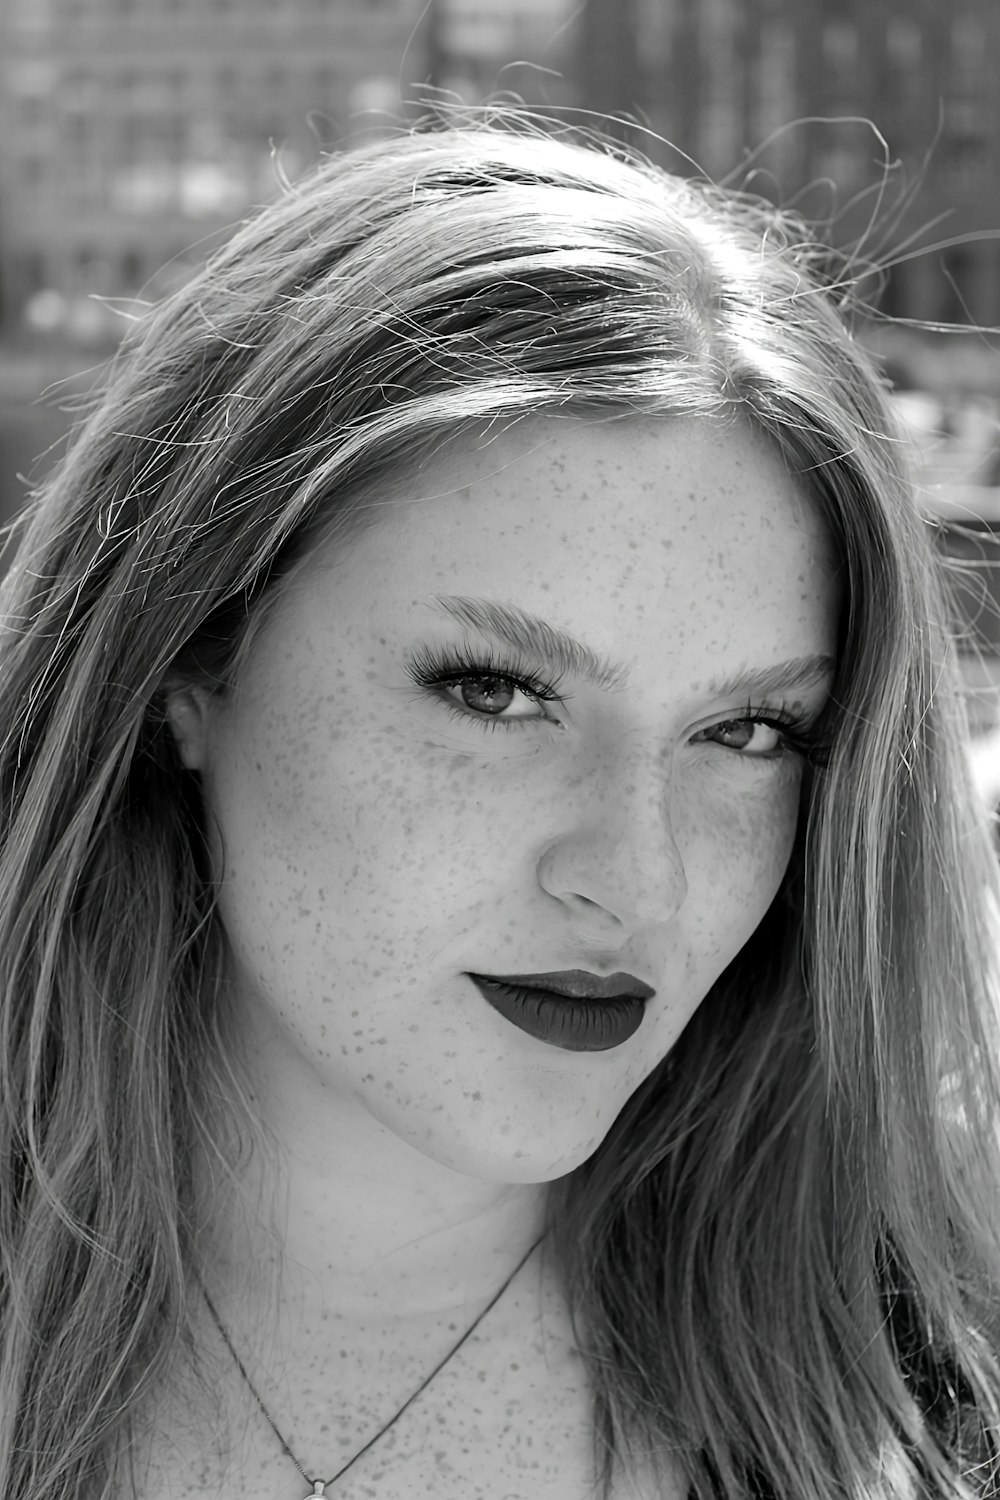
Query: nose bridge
x,y
649,804
643,823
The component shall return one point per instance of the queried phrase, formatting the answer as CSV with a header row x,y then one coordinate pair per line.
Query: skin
x,y
376,847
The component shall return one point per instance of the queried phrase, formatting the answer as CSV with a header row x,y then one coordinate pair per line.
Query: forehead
x,y
608,525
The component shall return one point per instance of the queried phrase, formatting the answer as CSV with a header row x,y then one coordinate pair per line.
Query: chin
x,y
509,1158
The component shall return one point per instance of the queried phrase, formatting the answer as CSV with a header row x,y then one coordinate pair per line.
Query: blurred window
x,y
125,90
840,44
903,44
155,93
131,270
77,151
840,60
843,166
224,86
655,27
966,165
325,83
969,51
30,15
955,267
32,85
78,90
29,113
84,262
774,91
31,271
32,172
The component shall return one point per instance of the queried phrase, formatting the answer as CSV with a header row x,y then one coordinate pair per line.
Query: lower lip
x,y
574,1025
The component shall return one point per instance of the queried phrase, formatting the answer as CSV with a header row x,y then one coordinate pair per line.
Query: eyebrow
x,y
526,632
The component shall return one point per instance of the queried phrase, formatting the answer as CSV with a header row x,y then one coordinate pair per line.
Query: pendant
x,y
318,1488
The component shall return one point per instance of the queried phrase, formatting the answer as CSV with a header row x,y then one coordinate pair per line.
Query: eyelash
x,y
436,667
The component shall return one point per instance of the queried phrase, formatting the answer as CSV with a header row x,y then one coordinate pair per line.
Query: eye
x,y
484,691
753,737
490,696
770,734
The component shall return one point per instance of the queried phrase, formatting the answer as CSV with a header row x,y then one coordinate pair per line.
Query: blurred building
x,y
521,49
718,76
134,130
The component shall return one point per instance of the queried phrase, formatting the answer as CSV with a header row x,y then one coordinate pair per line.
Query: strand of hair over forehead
x,y
463,150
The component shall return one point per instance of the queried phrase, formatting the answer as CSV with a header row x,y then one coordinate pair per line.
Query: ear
x,y
187,710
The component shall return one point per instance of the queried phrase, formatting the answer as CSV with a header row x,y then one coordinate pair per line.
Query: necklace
x,y
319,1486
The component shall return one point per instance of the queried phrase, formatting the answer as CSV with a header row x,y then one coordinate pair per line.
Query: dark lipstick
x,y
570,1009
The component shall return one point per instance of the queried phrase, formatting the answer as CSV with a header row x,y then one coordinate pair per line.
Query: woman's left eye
x,y
754,738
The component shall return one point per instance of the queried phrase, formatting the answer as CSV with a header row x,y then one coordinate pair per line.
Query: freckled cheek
x,y
746,848
349,809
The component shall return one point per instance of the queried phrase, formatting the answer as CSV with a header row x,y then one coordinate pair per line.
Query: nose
x,y
621,854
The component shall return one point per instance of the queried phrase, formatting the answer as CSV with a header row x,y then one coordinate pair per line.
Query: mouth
x,y
575,1023
578,984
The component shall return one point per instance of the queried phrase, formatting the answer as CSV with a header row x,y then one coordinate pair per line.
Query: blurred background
x,y
134,135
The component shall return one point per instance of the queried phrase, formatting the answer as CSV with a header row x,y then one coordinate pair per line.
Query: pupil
x,y
490,687
741,733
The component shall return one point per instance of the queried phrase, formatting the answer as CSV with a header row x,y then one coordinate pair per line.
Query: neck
x,y
341,1219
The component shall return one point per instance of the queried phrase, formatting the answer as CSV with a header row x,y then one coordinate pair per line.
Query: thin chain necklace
x,y
319,1486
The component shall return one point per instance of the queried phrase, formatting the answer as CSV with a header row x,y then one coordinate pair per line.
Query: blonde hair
x,y
783,1261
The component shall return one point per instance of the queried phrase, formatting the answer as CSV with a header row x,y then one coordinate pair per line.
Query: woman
x,y
499,562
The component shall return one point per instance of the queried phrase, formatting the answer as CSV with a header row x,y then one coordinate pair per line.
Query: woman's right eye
x,y
487,689
486,696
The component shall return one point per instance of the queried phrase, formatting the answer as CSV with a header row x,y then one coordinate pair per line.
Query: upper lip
x,y
579,985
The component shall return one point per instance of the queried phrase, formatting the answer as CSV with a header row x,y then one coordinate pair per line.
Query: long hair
x,y
783,1261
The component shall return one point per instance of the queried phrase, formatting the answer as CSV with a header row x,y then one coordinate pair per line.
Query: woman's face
x,y
384,838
